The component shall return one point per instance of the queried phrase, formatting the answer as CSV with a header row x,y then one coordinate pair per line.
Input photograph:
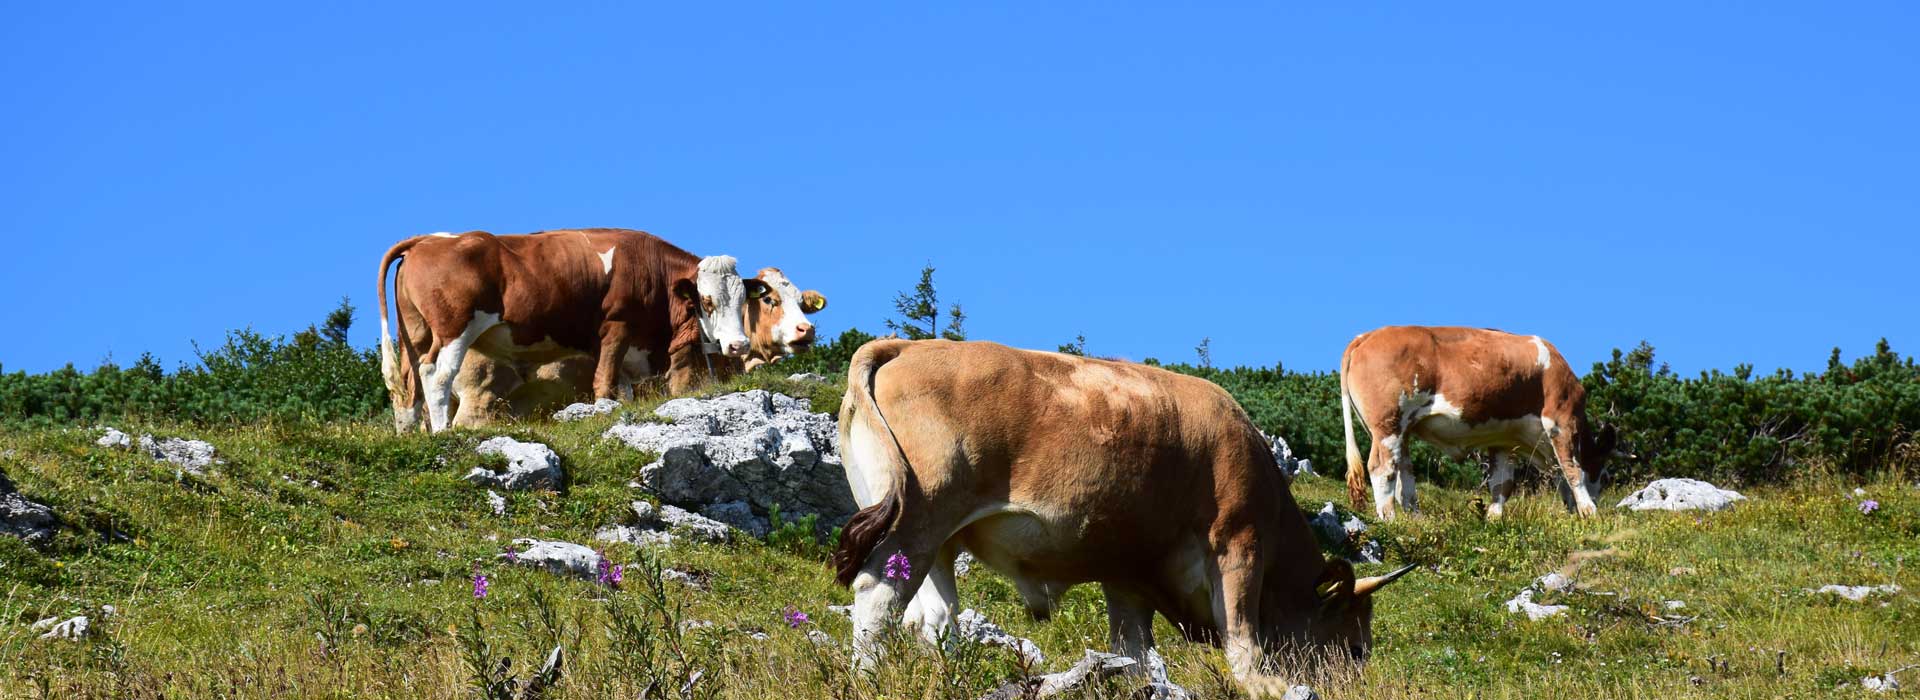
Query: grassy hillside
x,y
336,560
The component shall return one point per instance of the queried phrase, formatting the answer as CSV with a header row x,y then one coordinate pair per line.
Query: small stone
x,y
1523,604
1858,593
72,628
1553,582
563,558
1675,604
738,515
115,438
807,377
31,522
1682,571
189,456
583,411
1092,668
497,503
694,525
973,626
820,638
530,465
963,564
1681,494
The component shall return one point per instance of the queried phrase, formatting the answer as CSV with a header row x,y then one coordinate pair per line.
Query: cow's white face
x,y
722,304
781,319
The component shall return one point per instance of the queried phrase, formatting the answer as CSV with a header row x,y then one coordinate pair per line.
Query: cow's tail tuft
x,y
872,524
1356,469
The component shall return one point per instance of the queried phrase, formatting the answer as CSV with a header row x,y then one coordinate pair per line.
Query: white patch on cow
x,y
444,234
438,375
719,279
1392,443
1546,358
1442,407
606,262
869,461
1548,427
791,317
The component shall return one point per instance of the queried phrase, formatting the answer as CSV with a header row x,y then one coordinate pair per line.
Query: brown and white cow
x,y
1057,470
1466,389
776,327
612,294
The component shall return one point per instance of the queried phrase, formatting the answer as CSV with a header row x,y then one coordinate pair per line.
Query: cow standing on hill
x,y
776,327
1057,470
619,296
1465,389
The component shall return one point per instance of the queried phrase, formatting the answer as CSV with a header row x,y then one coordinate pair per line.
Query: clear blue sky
x,y
1734,182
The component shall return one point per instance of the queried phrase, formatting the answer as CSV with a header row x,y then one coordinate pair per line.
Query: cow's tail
x,y
1356,469
389,363
872,524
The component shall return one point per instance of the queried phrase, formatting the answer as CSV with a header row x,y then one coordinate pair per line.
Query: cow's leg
x,y
437,375
932,608
1380,473
613,353
1574,476
1129,624
1500,483
878,599
1237,583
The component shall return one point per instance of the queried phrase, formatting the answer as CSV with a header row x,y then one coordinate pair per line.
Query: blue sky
x,y
1733,182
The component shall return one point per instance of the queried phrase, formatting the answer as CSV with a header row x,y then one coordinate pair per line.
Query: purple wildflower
x,y
898,566
513,554
795,618
479,585
1867,507
610,573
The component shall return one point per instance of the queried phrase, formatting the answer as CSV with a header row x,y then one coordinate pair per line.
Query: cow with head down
x,y
621,297
1057,470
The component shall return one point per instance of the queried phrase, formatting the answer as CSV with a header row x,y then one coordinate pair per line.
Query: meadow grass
x,y
335,560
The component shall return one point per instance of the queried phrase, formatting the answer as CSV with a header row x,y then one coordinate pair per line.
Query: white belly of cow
x,y
498,343
1454,435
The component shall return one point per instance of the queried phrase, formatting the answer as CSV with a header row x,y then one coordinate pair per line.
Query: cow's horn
x,y
1368,585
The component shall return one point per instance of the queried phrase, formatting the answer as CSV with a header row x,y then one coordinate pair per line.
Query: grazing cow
x,y
776,327
1466,389
1057,470
618,296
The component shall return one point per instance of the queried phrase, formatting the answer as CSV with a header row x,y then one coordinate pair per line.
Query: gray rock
x,y
807,377
530,465
646,513
633,535
738,515
189,456
1858,593
820,638
27,520
1091,668
1159,686
1681,494
115,438
72,628
756,447
1283,454
974,627
1331,528
963,564
497,503
563,558
582,411
695,525
1523,604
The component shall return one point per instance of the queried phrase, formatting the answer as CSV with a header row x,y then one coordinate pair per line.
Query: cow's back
x,y
1097,442
1487,374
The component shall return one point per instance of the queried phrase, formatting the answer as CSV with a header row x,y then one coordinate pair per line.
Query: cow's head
x,y
719,298
1342,623
1599,448
778,318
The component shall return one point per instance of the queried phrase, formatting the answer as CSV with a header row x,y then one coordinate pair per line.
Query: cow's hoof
x,y
1587,510
1495,512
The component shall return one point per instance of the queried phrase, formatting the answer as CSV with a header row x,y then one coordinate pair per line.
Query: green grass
x,y
254,583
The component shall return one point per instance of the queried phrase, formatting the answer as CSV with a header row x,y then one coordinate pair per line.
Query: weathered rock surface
x,y
27,520
662,525
738,515
1681,494
1091,668
755,447
807,377
1858,593
1523,604
1282,453
188,456
1331,528
563,558
530,465
1159,686
72,628
974,627
582,411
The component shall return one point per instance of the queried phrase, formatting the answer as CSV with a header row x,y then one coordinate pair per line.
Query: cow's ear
x,y
686,289
1336,584
1607,440
811,301
756,288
